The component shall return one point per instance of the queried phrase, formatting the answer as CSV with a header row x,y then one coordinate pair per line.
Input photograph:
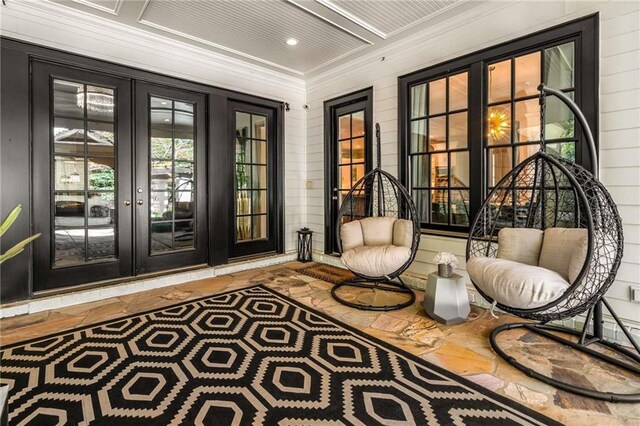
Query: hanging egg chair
x,y
378,235
545,246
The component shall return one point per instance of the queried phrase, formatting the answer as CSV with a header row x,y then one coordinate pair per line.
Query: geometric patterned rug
x,y
245,357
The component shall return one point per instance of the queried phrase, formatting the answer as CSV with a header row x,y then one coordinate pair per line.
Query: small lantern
x,y
305,241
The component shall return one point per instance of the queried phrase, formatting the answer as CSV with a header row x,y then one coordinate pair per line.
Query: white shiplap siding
x,y
619,108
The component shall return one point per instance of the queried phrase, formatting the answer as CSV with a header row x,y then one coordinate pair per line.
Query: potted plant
x,y
446,262
4,227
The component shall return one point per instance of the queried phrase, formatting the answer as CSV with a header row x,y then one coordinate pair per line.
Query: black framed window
x,y
450,172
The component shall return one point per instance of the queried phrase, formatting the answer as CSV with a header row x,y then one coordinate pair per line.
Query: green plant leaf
x,y
17,249
11,217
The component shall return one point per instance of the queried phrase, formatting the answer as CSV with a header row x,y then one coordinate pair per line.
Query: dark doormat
x,y
328,273
245,357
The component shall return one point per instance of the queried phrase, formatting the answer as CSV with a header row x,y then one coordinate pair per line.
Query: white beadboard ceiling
x,y
256,30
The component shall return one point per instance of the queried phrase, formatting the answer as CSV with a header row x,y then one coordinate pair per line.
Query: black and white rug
x,y
246,357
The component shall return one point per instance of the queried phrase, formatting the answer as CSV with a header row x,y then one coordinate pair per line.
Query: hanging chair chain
x,y
378,147
543,104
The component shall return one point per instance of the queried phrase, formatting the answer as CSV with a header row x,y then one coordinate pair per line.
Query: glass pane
x,y
525,151
183,122
499,164
357,173
458,95
418,100
565,150
345,177
102,173
100,103
259,154
439,170
344,126
69,247
421,199
166,133
162,148
259,202
101,244
419,136
243,124
162,119
69,209
101,208
527,121
438,96
69,173
184,146
100,139
259,227
161,237
243,154
460,169
458,130
357,124
183,235
459,207
344,156
357,150
527,75
439,207
184,204
558,118
419,171
243,174
243,228
184,175
500,81
161,103
183,106
259,127
68,136
68,98
161,206
499,125
161,175
243,202
437,134
559,66
259,177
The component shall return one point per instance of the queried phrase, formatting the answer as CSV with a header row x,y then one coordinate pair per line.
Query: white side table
x,y
446,299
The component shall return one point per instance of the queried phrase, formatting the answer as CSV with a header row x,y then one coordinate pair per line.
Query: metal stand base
x,y
382,285
584,340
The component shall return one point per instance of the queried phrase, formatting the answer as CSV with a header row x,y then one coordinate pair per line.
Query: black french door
x,y
348,153
253,208
81,176
170,183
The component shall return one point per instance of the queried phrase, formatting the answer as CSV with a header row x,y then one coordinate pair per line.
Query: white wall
x,y
482,27
54,26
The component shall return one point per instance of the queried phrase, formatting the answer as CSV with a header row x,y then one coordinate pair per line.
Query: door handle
x,y
140,202
126,202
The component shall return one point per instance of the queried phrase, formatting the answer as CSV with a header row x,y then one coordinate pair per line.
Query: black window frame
x,y
583,31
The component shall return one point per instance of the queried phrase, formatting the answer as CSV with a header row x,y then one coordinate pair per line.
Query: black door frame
x,y
17,275
362,97
145,261
46,275
274,193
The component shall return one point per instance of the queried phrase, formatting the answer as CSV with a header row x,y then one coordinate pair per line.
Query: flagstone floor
x,y
463,348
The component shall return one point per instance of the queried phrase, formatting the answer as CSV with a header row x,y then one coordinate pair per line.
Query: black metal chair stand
x,y
384,285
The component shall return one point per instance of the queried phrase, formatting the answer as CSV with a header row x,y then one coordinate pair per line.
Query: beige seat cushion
x,y
351,235
376,261
520,245
403,233
377,231
515,284
558,246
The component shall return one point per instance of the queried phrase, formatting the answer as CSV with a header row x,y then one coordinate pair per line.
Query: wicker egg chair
x,y
378,197
545,198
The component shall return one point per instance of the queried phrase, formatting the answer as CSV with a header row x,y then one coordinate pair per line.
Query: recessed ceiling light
x,y
167,120
292,41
